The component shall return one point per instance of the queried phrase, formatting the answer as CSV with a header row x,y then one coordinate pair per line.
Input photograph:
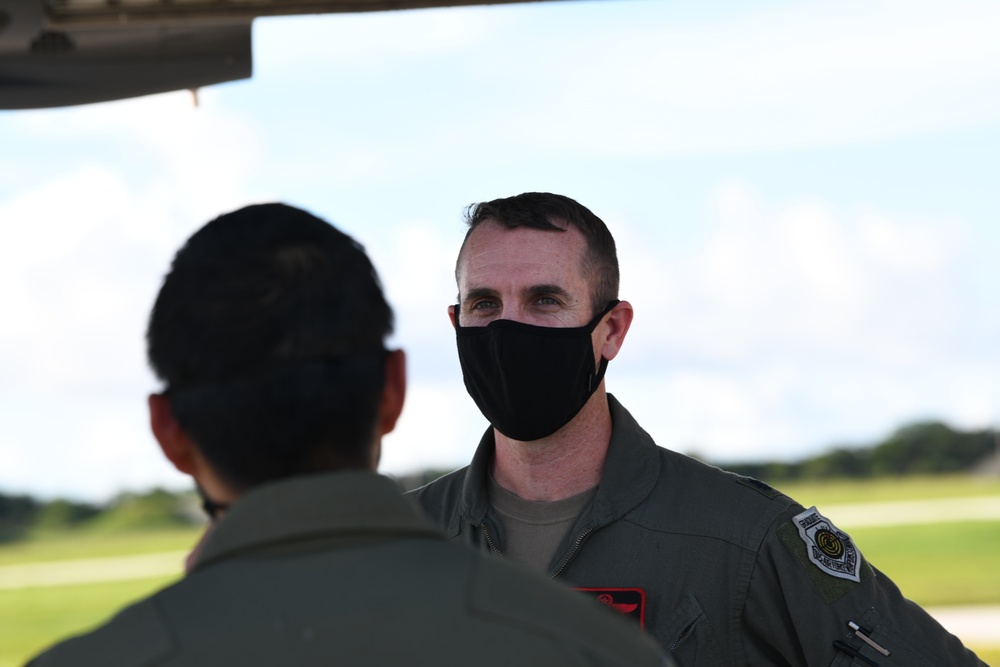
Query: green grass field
x,y
938,564
830,492
934,564
32,618
65,546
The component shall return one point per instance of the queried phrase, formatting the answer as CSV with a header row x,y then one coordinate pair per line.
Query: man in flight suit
x,y
269,335
721,569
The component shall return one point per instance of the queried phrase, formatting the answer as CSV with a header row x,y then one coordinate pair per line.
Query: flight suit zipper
x,y
572,552
489,540
576,546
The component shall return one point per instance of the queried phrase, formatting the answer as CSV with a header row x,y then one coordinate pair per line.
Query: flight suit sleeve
x,y
813,600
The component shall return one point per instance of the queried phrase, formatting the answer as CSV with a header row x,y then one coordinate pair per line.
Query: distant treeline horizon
x,y
923,448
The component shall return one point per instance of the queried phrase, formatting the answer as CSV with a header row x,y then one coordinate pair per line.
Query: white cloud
x,y
918,246
183,163
76,274
797,326
87,241
806,277
416,261
86,247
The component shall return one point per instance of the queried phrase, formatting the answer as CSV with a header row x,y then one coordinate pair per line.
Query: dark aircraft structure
x,y
63,52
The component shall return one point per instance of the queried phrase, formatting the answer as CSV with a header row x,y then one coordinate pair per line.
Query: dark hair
x,y
537,210
269,333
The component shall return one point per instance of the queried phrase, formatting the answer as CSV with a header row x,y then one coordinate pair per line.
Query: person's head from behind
x,y
268,333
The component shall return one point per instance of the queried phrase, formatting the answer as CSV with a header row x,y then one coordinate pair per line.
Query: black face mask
x,y
211,508
529,381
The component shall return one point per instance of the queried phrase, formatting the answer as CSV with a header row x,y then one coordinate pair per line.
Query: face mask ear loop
x,y
598,374
600,316
596,378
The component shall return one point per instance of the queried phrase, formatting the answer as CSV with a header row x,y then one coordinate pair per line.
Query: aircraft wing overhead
x,y
103,11
65,68
65,52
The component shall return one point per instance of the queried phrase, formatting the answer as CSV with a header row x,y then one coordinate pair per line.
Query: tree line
x,y
923,448
24,516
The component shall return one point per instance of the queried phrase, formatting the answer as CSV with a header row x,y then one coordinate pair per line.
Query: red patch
x,y
628,601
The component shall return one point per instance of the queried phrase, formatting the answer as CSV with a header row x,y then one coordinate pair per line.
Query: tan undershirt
x,y
533,530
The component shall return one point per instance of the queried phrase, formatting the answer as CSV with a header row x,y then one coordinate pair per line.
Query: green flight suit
x,y
340,569
725,572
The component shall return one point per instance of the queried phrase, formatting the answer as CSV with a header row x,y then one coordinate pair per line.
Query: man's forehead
x,y
492,242
498,258
491,227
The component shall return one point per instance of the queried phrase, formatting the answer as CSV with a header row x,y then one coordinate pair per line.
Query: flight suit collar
x,y
475,501
631,469
354,502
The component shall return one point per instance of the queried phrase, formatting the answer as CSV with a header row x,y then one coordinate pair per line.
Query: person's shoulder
x,y
696,478
135,636
440,497
699,498
449,483
536,610
684,481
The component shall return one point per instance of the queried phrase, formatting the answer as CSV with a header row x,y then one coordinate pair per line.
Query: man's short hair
x,y
269,333
537,210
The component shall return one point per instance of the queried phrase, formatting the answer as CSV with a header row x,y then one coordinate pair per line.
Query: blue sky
x,y
804,197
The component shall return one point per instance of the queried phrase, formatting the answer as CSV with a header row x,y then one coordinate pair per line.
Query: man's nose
x,y
517,312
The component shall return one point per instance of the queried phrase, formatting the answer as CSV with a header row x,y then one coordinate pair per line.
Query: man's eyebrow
x,y
546,290
478,293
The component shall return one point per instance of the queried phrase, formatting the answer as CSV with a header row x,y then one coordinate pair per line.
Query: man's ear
x,y
613,330
174,441
451,315
393,392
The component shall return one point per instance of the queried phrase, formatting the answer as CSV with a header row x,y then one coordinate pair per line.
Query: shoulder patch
x,y
759,486
830,588
828,548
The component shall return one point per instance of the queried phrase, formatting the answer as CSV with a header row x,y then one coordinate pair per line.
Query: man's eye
x,y
483,305
547,301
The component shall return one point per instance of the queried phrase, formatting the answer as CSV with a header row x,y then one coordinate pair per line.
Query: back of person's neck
x,y
564,464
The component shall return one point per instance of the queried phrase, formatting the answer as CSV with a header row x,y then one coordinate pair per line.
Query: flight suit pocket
x,y
687,634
